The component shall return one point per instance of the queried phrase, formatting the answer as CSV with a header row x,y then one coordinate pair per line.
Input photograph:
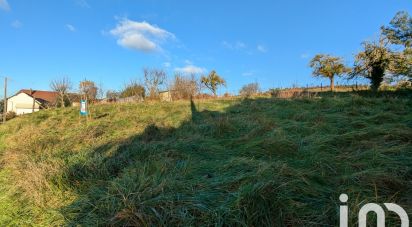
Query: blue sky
x,y
111,41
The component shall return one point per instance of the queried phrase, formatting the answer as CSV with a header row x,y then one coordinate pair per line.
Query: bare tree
x,y
250,89
184,87
62,86
100,91
153,79
88,90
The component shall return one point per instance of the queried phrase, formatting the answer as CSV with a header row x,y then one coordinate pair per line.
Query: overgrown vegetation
x,y
374,62
249,90
133,88
184,87
255,162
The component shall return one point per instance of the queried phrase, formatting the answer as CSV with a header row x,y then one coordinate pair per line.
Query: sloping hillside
x,y
217,162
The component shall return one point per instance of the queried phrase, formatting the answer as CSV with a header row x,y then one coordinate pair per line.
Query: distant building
x,y
26,101
165,96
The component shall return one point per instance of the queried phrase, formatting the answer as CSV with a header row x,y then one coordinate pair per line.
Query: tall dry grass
x,y
251,162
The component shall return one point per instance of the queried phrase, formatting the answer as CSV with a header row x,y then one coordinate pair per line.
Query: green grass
x,y
257,162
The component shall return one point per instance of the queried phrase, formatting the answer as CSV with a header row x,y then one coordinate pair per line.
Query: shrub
x,y
10,115
404,84
133,89
227,95
249,89
112,95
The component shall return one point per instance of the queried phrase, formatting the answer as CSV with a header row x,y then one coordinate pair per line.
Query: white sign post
x,y
83,107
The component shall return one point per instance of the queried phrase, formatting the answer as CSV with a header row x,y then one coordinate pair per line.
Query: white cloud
x,y
304,56
70,27
248,74
140,36
261,48
190,69
167,64
244,48
82,3
227,45
234,46
16,24
4,5
240,45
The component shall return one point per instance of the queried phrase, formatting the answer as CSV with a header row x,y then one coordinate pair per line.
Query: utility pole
x,y
34,100
5,100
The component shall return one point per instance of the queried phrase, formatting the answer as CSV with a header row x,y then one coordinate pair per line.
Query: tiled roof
x,y
42,96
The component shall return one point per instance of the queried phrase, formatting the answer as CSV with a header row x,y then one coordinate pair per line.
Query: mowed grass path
x,y
214,162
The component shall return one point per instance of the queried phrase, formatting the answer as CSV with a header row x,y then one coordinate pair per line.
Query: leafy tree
x,y
62,86
402,63
213,81
249,89
400,30
88,89
375,61
328,66
400,33
133,89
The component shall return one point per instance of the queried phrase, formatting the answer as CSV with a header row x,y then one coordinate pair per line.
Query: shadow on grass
x,y
262,162
143,159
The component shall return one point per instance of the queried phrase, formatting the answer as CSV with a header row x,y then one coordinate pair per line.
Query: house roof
x,y
41,96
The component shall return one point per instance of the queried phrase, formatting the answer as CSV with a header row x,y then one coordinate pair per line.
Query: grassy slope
x,y
274,162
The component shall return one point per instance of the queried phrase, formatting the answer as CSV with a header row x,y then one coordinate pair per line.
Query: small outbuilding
x,y
165,96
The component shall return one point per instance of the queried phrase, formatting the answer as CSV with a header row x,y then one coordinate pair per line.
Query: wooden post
x,y
5,100
87,109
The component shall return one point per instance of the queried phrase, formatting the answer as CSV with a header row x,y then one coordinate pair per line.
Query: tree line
x,y
181,87
390,57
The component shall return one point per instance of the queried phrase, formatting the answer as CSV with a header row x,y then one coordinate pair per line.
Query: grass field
x,y
254,162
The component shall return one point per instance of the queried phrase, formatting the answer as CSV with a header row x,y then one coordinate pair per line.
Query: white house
x,y
26,101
